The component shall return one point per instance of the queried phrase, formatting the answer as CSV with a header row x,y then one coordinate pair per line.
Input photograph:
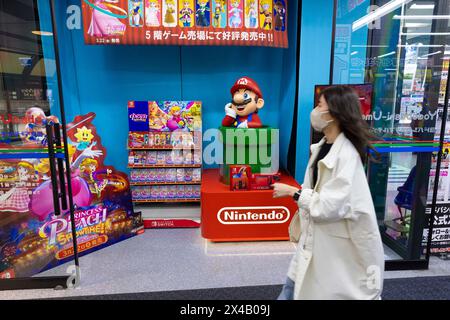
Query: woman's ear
x,y
260,103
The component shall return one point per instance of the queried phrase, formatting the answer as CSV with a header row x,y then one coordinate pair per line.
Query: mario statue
x,y
247,99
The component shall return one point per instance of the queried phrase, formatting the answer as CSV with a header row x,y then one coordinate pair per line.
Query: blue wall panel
x,y
315,46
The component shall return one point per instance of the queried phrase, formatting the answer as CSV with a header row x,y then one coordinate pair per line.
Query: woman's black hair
x,y
344,106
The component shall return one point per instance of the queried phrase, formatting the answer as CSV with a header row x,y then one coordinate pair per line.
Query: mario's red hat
x,y
246,83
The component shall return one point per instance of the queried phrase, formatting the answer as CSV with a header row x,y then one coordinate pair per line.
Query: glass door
x,y
37,239
401,48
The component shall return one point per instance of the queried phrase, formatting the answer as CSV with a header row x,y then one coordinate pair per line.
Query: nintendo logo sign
x,y
253,215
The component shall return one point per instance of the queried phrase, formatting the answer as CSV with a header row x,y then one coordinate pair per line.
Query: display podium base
x,y
243,215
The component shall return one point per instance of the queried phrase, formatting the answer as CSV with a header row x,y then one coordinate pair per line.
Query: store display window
x,y
402,48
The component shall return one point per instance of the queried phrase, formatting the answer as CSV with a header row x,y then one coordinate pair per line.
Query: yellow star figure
x,y
84,135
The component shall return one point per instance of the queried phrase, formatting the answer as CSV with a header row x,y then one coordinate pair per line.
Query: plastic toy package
x,y
242,179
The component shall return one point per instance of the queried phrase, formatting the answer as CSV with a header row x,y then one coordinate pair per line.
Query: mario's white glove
x,y
243,125
230,111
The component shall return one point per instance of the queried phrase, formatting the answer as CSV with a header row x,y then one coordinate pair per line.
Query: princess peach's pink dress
x,y
41,205
103,24
18,201
152,17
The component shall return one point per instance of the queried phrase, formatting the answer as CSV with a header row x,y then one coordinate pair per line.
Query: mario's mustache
x,y
243,103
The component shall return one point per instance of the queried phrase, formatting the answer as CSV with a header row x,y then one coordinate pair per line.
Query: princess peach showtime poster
x,y
32,238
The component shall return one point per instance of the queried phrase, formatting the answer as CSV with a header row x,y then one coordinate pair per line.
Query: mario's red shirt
x,y
253,121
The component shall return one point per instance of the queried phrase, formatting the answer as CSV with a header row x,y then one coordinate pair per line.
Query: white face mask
x,y
317,122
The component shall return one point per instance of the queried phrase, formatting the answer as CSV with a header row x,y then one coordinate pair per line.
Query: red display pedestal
x,y
243,215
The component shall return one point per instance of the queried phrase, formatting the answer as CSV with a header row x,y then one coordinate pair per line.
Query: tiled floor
x,y
180,259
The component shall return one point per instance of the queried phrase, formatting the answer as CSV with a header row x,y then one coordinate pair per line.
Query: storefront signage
x,y
253,215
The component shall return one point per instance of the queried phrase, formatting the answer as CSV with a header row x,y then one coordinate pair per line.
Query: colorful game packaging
x,y
235,13
279,13
131,158
187,155
239,177
171,175
180,175
151,157
136,140
180,192
263,181
251,14
154,193
136,13
163,192
153,13
219,13
188,174
188,192
196,175
160,175
203,13
197,157
177,157
265,14
197,192
186,13
161,158
169,13
169,157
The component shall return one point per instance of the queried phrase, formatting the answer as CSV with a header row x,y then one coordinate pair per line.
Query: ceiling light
x,y
368,46
353,53
431,54
420,45
425,34
421,17
416,24
422,6
378,13
387,54
42,33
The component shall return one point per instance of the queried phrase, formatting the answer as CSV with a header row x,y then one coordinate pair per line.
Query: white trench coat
x,y
340,252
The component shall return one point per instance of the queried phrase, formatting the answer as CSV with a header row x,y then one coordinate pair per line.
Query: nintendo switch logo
x,y
253,215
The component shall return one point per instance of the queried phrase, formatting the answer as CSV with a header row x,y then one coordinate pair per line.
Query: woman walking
x,y
340,252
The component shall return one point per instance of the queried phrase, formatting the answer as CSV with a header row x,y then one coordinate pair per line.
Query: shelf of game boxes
x,y
166,200
159,166
157,183
164,140
195,148
165,213
159,213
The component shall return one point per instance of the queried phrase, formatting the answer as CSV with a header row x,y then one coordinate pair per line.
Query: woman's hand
x,y
283,190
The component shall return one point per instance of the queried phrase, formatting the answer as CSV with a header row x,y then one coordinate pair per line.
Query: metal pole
x,y
64,132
